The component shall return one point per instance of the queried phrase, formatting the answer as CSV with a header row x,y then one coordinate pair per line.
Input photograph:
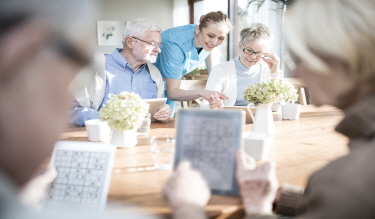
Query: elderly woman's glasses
x,y
251,52
153,44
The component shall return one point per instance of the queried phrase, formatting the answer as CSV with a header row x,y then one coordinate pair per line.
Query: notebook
x,y
84,172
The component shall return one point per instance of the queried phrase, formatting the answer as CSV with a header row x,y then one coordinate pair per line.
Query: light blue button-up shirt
x,y
179,56
119,77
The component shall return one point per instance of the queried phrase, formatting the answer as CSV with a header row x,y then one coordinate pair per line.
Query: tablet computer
x,y
155,104
209,139
84,171
244,108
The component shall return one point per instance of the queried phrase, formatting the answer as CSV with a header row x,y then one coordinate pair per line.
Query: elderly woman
x,y
254,65
332,43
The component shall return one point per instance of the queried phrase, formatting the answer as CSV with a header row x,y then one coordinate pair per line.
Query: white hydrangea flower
x,y
125,111
275,90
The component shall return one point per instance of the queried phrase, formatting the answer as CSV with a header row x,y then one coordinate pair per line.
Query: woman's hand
x,y
210,95
258,184
216,102
163,113
34,191
273,61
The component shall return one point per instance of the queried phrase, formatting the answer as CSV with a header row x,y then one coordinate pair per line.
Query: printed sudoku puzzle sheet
x,y
84,173
209,141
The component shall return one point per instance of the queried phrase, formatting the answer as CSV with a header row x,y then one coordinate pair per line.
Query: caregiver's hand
x,y
216,102
210,95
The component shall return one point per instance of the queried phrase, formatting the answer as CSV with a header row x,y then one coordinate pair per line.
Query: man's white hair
x,y
138,28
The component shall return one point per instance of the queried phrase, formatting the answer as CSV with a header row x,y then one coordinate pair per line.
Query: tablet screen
x,y
155,104
209,139
244,108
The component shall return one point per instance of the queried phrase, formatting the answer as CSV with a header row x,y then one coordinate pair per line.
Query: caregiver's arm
x,y
177,94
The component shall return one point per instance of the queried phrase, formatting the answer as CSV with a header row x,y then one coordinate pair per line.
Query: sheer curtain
x,y
180,12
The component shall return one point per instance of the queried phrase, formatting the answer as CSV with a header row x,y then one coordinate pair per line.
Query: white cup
x,y
257,144
290,111
162,148
97,130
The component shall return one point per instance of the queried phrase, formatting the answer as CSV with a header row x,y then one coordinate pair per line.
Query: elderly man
x,y
128,69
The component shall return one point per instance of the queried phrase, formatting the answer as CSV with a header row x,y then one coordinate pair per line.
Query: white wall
x,y
160,11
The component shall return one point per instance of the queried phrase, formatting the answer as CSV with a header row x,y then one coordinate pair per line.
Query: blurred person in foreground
x,y
332,43
127,69
43,44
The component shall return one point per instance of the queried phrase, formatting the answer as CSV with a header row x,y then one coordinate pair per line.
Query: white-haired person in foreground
x,y
126,69
43,44
332,43
254,65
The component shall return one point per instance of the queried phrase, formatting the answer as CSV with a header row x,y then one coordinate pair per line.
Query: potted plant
x,y
124,114
263,95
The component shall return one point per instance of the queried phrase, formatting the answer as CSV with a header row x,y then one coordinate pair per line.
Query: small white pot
x,y
290,111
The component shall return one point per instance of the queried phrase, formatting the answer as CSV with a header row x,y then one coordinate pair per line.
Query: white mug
x,y
97,130
257,144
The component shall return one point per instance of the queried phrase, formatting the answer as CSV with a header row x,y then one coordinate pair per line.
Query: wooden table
x,y
300,147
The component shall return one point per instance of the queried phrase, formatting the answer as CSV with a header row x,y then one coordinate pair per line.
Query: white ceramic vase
x,y
263,120
124,139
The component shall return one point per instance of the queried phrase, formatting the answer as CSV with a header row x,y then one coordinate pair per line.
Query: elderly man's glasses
x,y
251,52
153,44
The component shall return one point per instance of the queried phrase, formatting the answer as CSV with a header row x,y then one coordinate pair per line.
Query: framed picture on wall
x,y
108,33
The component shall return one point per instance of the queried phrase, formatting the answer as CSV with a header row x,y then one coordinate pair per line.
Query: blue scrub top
x,y
179,55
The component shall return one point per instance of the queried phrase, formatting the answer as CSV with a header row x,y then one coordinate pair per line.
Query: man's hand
x,y
258,184
186,188
164,113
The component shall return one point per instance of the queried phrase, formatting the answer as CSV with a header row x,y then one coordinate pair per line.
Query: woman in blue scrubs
x,y
185,48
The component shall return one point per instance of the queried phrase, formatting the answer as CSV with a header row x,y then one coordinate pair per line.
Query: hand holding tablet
x,y
156,105
209,139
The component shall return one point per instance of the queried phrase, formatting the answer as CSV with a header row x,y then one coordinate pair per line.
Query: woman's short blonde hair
x,y
215,17
256,31
323,32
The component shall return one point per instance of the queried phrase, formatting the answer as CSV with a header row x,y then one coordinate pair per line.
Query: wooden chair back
x,y
298,84
192,85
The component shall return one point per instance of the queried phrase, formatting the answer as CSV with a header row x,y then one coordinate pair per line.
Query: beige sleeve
x,y
289,200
